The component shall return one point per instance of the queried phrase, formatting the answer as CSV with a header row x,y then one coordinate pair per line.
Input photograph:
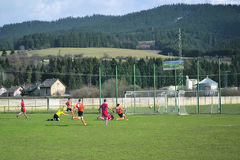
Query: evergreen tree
x,y
4,53
36,75
29,74
16,81
8,83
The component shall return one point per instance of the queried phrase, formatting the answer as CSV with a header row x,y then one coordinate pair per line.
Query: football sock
x,y
106,122
83,122
125,117
76,117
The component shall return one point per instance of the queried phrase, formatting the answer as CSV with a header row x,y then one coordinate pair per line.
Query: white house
x,y
52,87
2,90
208,84
13,91
207,87
190,83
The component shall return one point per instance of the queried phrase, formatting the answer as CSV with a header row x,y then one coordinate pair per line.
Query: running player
x,y
68,104
80,108
105,114
22,110
57,115
119,112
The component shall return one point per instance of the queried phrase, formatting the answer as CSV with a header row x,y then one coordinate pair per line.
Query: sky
x,y
17,11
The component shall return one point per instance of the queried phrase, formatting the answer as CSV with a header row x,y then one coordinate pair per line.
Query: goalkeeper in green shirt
x,y
57,115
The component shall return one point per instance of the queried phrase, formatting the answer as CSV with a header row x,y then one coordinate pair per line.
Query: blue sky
x,y
17,11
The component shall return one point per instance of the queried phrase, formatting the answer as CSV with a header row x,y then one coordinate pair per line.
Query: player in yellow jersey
x,y
119,112
57,115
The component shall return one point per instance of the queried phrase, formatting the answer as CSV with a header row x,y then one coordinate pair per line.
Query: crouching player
x,y
105,114
57,115
119,112
80,108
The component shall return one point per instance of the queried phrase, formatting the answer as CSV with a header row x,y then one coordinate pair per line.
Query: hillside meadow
x,y
95,52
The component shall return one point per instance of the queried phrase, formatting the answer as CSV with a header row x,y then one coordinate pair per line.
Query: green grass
x,y
190,109
96,52
141,137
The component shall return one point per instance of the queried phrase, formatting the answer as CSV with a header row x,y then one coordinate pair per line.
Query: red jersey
x,y
23,107
104,107
118,109
68,103
22,104
79,106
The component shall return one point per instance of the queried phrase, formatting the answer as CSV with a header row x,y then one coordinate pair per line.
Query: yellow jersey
x,y
61,111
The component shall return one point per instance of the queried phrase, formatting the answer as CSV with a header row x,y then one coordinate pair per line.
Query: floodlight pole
x,y
116,87
180,72
219,72
100,79
134,81
175,87
154,86
198,109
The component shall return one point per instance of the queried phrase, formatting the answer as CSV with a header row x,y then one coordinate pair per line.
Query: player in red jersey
x,y
22,110
119,112
68,104
80,108
105,114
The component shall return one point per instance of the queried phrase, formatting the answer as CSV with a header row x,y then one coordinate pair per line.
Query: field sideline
x,y
141,137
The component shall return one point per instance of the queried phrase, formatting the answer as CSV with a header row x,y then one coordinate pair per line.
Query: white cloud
x,y
236,2
13,11
47,10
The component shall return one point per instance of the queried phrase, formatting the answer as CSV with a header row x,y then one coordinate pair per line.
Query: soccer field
x,y
141,137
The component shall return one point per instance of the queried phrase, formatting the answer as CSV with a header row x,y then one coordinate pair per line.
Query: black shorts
x,y
80,113
55,117
120,115
69,109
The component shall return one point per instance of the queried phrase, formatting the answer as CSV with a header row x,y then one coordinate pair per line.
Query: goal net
x,y
206,101
172,102
155,102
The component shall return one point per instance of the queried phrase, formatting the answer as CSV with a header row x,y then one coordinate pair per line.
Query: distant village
x,y
54,87
50,87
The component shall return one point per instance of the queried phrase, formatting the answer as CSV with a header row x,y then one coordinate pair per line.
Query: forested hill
x,y
205,27
31,27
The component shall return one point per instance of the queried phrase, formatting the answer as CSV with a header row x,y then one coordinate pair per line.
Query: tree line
x,y
72,39
167,42
76,73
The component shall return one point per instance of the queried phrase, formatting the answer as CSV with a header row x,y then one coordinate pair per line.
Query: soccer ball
x,y
150,107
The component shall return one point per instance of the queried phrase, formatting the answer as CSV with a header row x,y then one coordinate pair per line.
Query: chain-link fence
x,y
207,103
